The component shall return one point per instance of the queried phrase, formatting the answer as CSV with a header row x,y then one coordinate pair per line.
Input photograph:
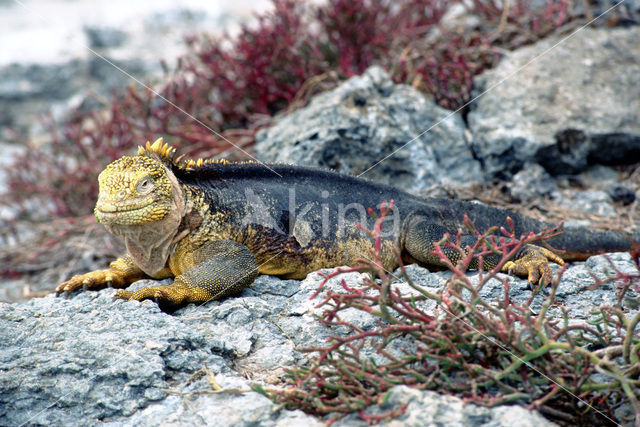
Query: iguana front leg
x,y
220,268
120,274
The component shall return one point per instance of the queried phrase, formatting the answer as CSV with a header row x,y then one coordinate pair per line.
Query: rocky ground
x,y
89,358
557,138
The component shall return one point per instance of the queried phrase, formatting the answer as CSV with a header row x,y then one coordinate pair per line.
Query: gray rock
x,y
100,37
573,293
36,89
218,410
532,183
621,193
615,148
55,82
627,12
109,76
367,119
427,408
90,360
563,105
598,177
595,202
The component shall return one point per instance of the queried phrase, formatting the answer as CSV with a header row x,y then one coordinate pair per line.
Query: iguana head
x,y
137,190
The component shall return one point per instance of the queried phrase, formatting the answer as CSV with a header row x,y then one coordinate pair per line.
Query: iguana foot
x,y
98,279
533,262
120,274
173,295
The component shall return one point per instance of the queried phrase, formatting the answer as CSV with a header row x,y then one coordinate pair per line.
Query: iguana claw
x,y
99,279
170,295
533,262
120,274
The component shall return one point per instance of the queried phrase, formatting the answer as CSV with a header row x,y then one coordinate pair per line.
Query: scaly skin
x,y
213,226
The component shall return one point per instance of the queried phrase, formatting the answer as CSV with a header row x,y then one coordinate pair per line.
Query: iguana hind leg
x,y
531,261
219,269
420,240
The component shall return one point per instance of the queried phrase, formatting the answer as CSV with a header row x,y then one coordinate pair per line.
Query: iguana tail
x,y
578,243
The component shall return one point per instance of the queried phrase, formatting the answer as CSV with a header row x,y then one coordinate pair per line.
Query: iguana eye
x,y
145,186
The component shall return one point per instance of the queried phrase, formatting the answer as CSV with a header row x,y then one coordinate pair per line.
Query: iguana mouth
x,y
113,208
137,211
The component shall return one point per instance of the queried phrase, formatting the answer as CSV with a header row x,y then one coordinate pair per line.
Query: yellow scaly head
x,y
136,190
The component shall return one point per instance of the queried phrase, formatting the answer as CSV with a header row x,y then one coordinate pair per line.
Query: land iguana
x,y
215,225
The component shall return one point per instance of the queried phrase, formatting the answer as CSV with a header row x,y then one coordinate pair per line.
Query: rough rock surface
x,y
532,182
563,105
427,408
621,193
25,87
592,192
366,119
89,359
